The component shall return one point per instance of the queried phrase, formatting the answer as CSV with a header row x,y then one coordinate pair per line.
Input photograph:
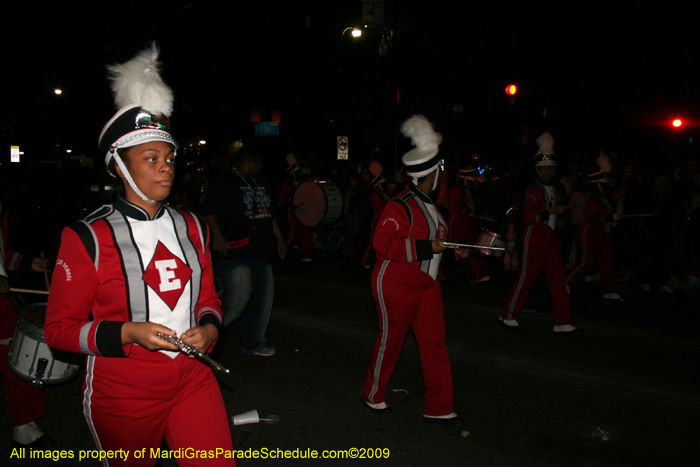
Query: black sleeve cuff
x,y
210,318
545,216
424,250
108,339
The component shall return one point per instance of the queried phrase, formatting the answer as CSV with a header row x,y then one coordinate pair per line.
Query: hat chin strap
x,y
130,180
437,176
415,179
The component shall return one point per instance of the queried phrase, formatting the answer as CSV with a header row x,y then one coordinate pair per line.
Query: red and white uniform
x,y
118,266
296,228
408,296
463,225
25,402
379,200
539,251
595,245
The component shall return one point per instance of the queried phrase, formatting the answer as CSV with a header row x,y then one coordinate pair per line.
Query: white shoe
x,y
511,323
483,279
612,296
564,328
265,352
27,434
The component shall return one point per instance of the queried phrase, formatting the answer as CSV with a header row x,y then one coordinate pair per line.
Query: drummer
x,y
296,228
380,195
237,207
26,403
462,219
134,269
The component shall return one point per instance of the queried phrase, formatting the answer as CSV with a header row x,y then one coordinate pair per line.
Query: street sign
x,y
14,153
267,129
342,148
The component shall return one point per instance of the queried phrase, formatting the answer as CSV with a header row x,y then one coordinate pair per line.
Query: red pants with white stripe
x,y
135,402
595,245
540,252
402,306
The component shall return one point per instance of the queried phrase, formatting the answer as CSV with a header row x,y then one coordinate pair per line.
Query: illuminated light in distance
x,y
511,89
57,91
356,32
677,123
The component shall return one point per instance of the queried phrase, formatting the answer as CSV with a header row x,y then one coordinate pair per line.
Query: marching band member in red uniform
x,y
463,227
539,245
380,188
408,244
134,269
296,228
593,239
26,402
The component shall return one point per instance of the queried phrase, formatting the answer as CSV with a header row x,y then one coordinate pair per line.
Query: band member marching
x,y
296,228
408,244
380,196
539,245
463,227
593,237
134,269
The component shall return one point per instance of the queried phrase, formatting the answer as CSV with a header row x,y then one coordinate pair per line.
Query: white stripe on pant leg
x,y
87,404
385,332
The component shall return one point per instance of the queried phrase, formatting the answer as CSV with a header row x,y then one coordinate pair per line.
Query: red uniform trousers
x,y
463,230
26,403
296,230
595,245
135,402
540,251
403,306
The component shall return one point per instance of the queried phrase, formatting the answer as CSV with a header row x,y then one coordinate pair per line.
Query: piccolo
x,y
465,245
192,350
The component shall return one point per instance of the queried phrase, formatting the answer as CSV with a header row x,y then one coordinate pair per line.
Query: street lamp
x,y
356,32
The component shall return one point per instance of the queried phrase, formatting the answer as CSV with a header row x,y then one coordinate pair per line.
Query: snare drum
x,y
317,202
488,238
29,356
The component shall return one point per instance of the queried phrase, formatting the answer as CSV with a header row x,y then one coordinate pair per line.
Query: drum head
x,y
36,315
32,319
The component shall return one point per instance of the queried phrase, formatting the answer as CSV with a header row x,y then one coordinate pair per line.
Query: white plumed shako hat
x,y
423,159
545,153
145,103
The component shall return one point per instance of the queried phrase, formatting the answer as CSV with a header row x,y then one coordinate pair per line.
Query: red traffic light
x,y
511,89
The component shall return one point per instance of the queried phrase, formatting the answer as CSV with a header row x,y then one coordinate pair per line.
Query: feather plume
x,y
138,83
546,144
421,132
604,162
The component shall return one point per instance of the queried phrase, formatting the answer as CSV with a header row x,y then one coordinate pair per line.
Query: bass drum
x,y
489,238
317,202
29,356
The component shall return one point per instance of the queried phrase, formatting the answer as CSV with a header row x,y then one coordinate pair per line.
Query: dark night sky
x,y
607,77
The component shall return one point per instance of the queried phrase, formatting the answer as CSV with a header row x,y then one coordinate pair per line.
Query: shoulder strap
x,y
88,238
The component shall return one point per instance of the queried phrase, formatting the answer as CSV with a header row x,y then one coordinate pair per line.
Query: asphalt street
x,y
625,392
